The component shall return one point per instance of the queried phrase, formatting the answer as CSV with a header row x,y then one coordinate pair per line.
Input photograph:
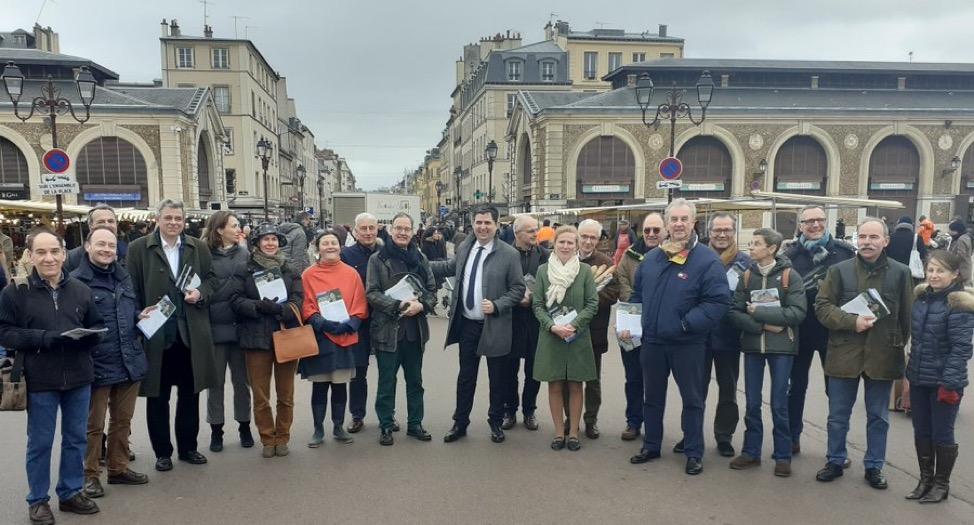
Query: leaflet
x,y
188,280
158,315
78,333
405,290
629,316
270,285
765,297
733,277
331,306
564,315
867,304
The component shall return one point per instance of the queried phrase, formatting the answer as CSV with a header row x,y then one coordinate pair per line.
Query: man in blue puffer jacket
x,y
685,294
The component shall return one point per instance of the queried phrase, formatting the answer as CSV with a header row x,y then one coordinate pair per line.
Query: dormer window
x,y
548,71
514,68
20,41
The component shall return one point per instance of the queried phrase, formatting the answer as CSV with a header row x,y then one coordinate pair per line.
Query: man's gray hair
x,y
365,216
99,207
169,203
676,204
875,219
521,219
722,215
810,207
590,222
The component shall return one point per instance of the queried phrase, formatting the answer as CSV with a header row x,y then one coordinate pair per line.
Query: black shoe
x,y
216,441
678,448
876,478
193,458
419,433
592,430
496,434
830,472
385,437
246,437
92,488
509,422
40,514
643,456
395,425
78,504
128,478
355,426
694,466
531,422
573,444
724,448
131,454
164,464
454,434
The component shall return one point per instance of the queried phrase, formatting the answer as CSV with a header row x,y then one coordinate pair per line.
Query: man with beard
x,y
653,234
685,293
525,329
811,256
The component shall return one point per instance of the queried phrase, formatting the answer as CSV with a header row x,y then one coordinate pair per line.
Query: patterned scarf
x,y
268,261
727,256
817,248
560,277
678,251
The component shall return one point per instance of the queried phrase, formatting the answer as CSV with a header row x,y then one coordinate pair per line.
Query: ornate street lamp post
x,y
264,151
674,107
302,172
491,150
52,101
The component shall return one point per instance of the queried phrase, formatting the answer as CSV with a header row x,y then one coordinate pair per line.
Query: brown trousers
x,y
261,366
119,401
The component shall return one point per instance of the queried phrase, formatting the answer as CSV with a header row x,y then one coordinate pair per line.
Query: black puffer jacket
x,y
255,329
32,317
223,321
943,324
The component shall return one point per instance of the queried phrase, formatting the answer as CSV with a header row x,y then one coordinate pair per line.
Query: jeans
x,y
727,365
229,355
634,386
842,396
686,363
409,357
799,385
779,366
932,420
42,409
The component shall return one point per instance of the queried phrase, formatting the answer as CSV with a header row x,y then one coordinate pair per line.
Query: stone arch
x,y
730,142
920,142
153,174
33,160
824,139
606,129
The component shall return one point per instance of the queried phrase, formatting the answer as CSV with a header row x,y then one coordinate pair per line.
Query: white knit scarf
x,y
560,277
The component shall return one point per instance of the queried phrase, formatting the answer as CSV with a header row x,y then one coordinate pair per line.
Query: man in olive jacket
x,y
867,347
181,353
489,286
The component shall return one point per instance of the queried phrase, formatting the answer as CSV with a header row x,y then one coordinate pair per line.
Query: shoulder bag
x,y
916,264
291,344
14,392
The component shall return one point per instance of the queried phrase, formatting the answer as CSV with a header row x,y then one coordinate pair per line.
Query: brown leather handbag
x,y
13,395
291,344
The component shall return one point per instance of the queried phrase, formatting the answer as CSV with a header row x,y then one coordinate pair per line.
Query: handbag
x,y
916,264
291,344
13,395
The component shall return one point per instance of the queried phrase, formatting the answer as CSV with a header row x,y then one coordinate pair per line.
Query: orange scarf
x,y
324,277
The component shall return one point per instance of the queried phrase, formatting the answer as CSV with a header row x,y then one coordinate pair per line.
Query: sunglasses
x,y
652,230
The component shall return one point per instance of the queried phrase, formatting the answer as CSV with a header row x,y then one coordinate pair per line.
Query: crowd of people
x,y
85,326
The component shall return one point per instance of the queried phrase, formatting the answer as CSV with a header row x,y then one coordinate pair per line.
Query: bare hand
x,y
625,335
525,302
193,296
864,323
144,314
487,306
751,308
414,308
774,329
563,331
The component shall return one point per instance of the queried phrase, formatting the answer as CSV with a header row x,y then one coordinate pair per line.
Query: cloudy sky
x,y
373,79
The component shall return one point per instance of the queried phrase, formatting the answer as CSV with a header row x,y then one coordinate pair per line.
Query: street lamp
x,y
54,103
440,186
301,174
491,150
674,107
264,151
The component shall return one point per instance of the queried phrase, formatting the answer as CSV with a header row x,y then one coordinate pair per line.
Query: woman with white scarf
x,y
565,301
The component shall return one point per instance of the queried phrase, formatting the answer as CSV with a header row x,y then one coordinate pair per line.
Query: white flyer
x,y
331,306
188,280
629,316
270,285
78,333
158,315
404,290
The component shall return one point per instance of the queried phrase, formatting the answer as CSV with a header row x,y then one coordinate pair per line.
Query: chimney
x,y
165,28
901,84
662,30
724,80
631,79
208,31
174,28
814,81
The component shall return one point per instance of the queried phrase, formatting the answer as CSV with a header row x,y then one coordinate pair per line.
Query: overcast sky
x,y
372,79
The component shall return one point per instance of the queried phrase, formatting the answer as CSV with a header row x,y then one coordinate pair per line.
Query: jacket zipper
x,y
64,375
764,284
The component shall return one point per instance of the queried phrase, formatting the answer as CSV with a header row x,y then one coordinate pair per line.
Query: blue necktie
x,y
473,278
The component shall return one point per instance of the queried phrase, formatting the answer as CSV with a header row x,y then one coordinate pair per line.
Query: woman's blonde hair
x,y
565,229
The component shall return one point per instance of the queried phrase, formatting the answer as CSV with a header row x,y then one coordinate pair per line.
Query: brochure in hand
x,y
270,284
765,297
332,306
629,316
733,277
563,315
867,304
188,280
158,315
78,333
407,289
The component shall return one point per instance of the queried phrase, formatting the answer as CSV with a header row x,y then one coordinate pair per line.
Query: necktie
x,y
473,277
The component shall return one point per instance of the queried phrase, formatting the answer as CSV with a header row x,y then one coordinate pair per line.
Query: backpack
x,y
785,276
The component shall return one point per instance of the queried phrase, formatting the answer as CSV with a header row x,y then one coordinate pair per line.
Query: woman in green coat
x,y
565,301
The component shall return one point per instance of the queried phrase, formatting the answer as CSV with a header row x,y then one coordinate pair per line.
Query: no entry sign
x,y
57,160
670,168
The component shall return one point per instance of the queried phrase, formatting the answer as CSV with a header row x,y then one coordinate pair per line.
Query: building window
x,y
639,57
666,55
114,166
13,165
184,57
514,71
20,41
615,61
221,58
221,95
591,65
228,144
548,71
511,98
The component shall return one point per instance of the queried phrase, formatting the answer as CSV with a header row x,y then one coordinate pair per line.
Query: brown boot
x,y
946,455
925,456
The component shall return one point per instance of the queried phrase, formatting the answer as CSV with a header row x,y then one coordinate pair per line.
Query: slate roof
x,y
536,101
23,57
119,99
545,46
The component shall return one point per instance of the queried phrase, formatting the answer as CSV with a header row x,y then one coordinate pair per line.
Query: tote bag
x,y
916,264
13,395
291,344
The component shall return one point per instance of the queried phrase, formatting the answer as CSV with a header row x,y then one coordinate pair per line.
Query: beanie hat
x,y
906,219
958,226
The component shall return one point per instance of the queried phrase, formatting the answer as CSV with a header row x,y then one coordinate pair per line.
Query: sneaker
x,y
782,468
40,514
508,422
830,472
531,422
385,437
78,504
267,452
92,488
744,462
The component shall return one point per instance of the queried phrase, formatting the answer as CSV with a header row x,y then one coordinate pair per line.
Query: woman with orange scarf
x,y
327,281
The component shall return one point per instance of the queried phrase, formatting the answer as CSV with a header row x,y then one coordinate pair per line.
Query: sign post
x,y
670,169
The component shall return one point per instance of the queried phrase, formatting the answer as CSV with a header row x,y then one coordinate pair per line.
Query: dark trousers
x,y
528,399
358,392
634,386
498,370
932,420
797,388
686,363
727,365
177,371
409,357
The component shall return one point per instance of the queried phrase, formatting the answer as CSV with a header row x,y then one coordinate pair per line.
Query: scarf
x,y
560,277
817,248
268,262
410,256
678,251
727,256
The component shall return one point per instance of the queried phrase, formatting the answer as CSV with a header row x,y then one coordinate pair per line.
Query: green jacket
x,y
754,338
879,351
554,357
384,328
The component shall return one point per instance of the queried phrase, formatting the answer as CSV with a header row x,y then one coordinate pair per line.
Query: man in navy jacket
x,y
684,291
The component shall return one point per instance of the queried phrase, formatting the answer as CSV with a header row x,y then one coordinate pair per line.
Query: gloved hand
x,y
52,339
344,328
331,327
269,307
948,397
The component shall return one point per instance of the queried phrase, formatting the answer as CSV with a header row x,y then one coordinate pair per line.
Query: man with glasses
x,y
812,254
653,234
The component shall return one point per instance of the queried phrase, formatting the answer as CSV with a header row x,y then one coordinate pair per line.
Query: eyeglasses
x,y
402,229
654,230
814,221
722,231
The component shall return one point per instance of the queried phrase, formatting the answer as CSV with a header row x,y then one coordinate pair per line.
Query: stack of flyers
x,y
188,280
407,289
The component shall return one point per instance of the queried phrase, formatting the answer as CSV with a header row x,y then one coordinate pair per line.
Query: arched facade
x,y
151,192
112,170
638,180
605,170
14,172
204,170
524,172
894,172
731,144
708,169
